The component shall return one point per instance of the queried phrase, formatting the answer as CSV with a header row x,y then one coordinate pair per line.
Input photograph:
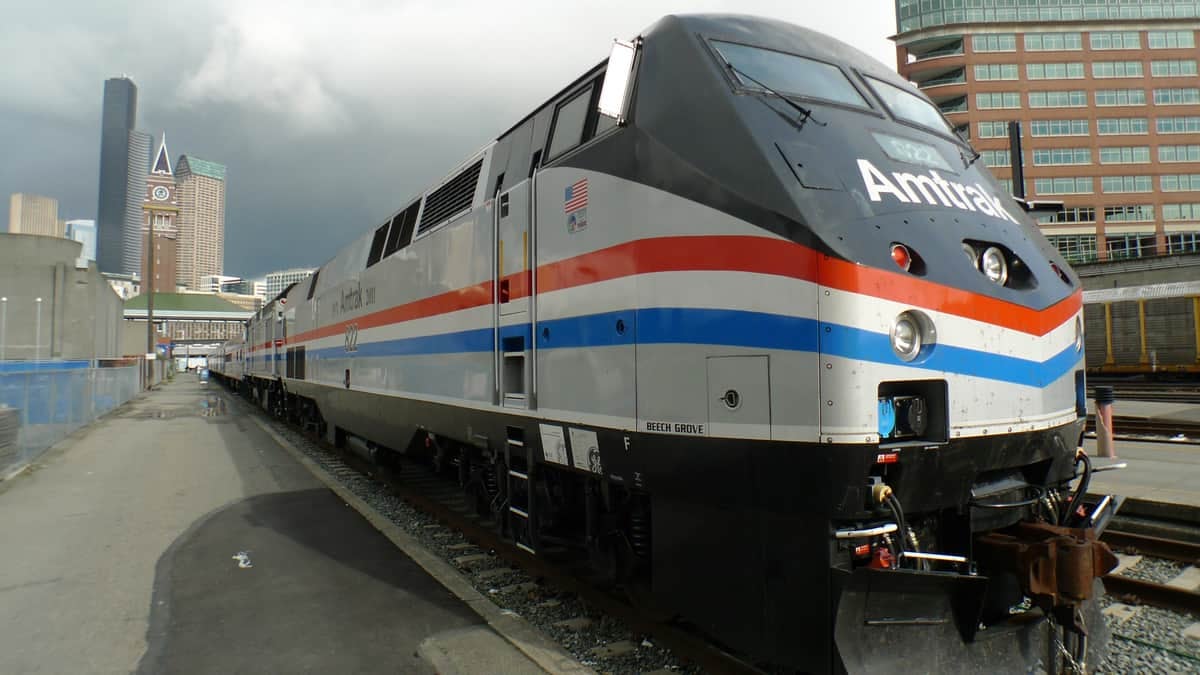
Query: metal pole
x,y
1015,154
150,305
1104,428
3,327
37,341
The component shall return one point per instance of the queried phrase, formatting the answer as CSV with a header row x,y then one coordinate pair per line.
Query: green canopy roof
x,y
184,302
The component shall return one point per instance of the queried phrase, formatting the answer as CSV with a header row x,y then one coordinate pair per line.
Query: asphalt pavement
x,y
175,536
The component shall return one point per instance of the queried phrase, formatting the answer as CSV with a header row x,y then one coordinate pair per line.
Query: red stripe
x,y
730,254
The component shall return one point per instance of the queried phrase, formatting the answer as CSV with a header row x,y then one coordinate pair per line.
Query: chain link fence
x,y
42,402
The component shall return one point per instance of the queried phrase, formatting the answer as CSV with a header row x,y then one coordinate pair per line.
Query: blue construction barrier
x,y
54,398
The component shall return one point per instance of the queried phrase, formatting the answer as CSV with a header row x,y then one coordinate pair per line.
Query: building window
x,y
1102,69
1185,182
994,43
1116,40
1061,156
1182,96
1181,211
1183,242
996,71
993,129
1178,125
1173,68
953,105
1114,97
1058,128
1179,153
1130,246
1048,42
1006,184
995,100
1063,186
1115,126
1132,155
1054,71
1057,99
994,158
1129,213
1079,214
1126,184
1171,39
1076,248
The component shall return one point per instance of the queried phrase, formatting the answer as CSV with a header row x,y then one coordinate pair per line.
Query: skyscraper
x,y
84,232
1106,94
33,214
201,221
124,156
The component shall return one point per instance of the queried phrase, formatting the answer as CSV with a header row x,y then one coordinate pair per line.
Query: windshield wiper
x,y
974,156
805,113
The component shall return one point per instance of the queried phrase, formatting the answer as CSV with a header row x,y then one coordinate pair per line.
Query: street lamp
x,y
3,326
37,345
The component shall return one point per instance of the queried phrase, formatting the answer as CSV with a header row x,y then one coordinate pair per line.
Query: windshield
x,y
788,73
908,106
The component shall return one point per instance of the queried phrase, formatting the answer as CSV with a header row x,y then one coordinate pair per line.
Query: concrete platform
x,y
1157,472
177,537
1183,412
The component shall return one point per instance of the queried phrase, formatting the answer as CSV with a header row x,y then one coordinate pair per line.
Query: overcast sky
x,y
327,117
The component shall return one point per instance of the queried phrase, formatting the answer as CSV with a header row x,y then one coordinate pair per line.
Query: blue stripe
x,y
732,328
726,327
41,366
853,343
477,340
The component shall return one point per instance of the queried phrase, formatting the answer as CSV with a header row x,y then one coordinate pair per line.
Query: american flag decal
x,y
576,196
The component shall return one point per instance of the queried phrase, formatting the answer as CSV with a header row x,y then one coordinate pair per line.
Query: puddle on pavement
x,y
213,406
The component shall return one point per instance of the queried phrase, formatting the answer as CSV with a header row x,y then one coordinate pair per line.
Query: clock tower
x,y
160,208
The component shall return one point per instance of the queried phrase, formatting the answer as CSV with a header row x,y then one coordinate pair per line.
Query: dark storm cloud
x,y
328,117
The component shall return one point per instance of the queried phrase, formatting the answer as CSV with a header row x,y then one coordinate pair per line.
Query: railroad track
x,y
1174,597
1150,427
442,499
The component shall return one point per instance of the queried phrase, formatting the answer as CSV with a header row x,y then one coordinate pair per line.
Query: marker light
x,y
993,265
906,337
901,256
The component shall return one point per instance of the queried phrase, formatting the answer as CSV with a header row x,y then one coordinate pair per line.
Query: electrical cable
x,y
1080,489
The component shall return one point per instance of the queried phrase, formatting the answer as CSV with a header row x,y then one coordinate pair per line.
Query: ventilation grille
x,y
454,196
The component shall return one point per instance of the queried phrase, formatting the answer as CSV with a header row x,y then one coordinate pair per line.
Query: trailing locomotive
x,y
736,314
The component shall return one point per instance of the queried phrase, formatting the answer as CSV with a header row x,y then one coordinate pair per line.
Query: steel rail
x,y
1158,595
1157,547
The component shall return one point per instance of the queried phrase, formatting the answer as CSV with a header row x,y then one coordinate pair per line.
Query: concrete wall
x,y
80,314
1139,271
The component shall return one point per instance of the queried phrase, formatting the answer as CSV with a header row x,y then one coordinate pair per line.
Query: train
x,y
1146,330
738,318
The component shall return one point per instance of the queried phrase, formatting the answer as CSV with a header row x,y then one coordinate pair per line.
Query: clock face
x,y
161,193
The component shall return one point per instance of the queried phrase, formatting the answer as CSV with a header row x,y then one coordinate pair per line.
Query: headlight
x,y
906,337
993,265
971,254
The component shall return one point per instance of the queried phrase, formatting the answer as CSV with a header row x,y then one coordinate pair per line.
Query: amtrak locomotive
x,y
737,315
